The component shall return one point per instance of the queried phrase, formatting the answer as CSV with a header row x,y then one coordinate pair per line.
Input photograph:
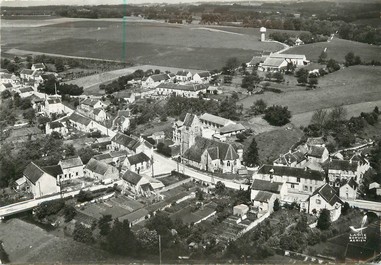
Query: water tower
x,y
263,33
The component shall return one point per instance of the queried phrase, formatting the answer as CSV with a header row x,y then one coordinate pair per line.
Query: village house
x,y
276,62
27,74
299,181
211,121
188,91
56,126
54,105
317,154
347,189
125,95
140,185
346,169
99,115
295,59
115,158
291,159
79,122
72,168
6,86
213,156
264,202
158,136
137,163
183,76
101,171
25,92
131,144
202,78
90,104
264,193
7,78
122,120
40,182
323,198
38,66
154,80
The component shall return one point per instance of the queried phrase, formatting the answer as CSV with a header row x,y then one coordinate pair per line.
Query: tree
x,y
322,57
302,225
258,107
148,241
82,234
349,59
231,64
338,114
312,82
302,76
58,63
320,118
278,76
345,209
277,115
324,220
29,114
199,194
332,65
104,224
276,206
241,137
220,188
86,154
6,94
268,76
4,257
69,213
121,240
251,157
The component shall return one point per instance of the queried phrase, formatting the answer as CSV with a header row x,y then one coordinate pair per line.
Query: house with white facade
x,y
131,144
188,91
346,169
155,80
38,66
54,105
56,126
140,185
348,189
40,182
324,197
183,76
137,163
72,168
202,77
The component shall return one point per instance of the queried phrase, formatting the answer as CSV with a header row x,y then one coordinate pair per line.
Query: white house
x,y
323,198
72,168
38,66
54,105
317,154
126,95
214,122
26,92
264,201
40,182
348,189
154,80
140,185
80,122
296,59
99,115
299,181
202,77
345,169
188,91
89,104
272,65
278,188
137,163
56,126
130,144
183,76
27,74
100,170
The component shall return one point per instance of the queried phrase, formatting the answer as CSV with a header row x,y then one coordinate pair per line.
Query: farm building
x,y
231,129
188,91
214,122
240,210
276,62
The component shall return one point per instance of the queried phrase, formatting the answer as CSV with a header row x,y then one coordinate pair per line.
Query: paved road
x,y
30,204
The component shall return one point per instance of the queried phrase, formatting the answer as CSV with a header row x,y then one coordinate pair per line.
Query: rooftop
x,y
138,158
264,185
131,177
75,117
98,167
71,162
292,172
215,119
344,165
328,194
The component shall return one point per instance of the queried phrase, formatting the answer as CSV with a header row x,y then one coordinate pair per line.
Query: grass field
x,y
27,243
349,86
337,49
146,43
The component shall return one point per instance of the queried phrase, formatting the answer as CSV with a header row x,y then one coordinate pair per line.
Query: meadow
x,y
337,49
148,42
348,86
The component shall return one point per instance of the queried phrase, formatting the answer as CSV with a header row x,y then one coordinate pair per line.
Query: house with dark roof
x,y
155,80
140,185
131,144
324,197
56,126
72,168
41,181
115,158
214,122
298,180
291,159
317,154
231,129
213,156
344,169
273,65
80,122
54,105
264,193
89,104
101,171
125,95
137,163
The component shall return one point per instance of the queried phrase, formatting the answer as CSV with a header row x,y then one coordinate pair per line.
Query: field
x,y
337,49
183,46
349,86
27,243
